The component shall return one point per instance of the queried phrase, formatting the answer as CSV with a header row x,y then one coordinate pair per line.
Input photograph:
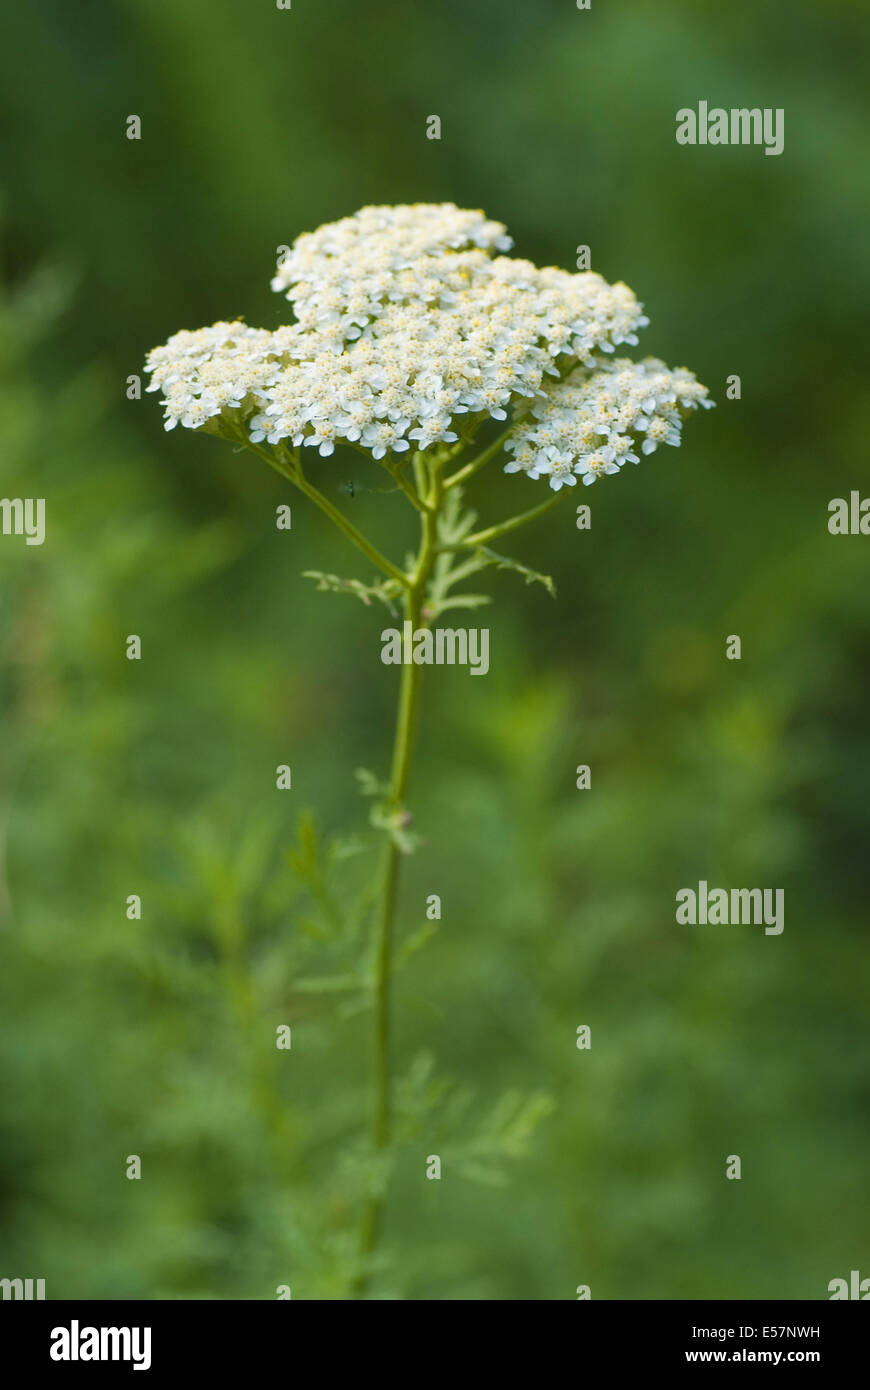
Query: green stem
x,y
396,473
482,459
403,745
295,476
428,497
409,491
503,527
409,694
386,566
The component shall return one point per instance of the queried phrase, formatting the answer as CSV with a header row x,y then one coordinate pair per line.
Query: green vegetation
x,y
156,1037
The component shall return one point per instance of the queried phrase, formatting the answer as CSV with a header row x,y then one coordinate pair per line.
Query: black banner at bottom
x,y
69,1338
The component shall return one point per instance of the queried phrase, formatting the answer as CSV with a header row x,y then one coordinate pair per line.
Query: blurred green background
x,y
157,777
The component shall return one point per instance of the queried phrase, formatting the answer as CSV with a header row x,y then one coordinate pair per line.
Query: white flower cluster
x,y
407,320
591,422
349,269
202,372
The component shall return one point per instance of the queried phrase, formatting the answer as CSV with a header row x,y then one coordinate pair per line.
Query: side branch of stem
x,y
293,473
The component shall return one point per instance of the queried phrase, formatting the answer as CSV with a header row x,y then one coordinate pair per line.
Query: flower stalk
x,y
400,772
412,328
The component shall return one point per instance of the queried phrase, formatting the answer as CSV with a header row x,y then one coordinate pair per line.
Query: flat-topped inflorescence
x,y
410,331
591,423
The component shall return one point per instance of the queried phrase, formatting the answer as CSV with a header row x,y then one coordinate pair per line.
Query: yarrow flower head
x,y
410,330
594,420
